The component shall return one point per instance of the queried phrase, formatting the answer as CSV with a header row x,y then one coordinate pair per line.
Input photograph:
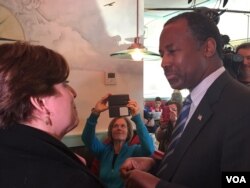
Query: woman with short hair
x,y
36,110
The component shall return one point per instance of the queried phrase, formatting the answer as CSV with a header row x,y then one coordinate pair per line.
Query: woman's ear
x,y
38,103
210,47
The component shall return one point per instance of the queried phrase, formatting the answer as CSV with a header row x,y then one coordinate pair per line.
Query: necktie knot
x,y
187,101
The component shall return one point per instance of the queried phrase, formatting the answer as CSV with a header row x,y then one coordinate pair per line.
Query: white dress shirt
x,y
200,90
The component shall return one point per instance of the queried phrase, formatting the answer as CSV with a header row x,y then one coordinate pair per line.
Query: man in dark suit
x,y
216,136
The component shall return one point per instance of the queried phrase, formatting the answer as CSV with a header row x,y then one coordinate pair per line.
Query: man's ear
x,y
38,103
210,47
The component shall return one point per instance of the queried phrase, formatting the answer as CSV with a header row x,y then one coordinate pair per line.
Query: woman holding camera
x,y
117,150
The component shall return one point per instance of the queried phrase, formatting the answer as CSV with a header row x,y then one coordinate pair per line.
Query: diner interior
x,y
96,36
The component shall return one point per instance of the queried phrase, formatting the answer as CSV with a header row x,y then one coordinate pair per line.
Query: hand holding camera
x,y
118,105
133,107
101,105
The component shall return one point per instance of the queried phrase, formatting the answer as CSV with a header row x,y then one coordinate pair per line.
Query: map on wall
x,y
76,29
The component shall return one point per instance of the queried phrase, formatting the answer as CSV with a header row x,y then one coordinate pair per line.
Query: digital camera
x,y
118,105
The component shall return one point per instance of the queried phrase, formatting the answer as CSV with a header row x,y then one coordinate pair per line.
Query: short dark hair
x,y
27,70
157,98
245,45
129,125
202,28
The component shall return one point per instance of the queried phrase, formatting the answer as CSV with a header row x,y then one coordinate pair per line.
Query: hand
x,y
102,105
140,163
173,116
140,179
134,107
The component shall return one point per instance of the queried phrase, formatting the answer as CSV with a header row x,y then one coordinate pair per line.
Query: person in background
x,y
36,110
244,73
164,131
156,114
120,131
176,96
150,125
215,138
148,118
146,107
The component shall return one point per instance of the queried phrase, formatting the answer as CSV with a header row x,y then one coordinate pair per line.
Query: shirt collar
x,y
199,91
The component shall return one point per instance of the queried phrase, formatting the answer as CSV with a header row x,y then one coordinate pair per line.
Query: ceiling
x,y
177,6
154,19
171,4
173,7
234,18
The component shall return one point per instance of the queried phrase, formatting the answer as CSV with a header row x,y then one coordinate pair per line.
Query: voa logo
x,y
236,179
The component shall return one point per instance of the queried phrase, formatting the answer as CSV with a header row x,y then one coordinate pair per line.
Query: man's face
x,y
245,53
157,104
183,59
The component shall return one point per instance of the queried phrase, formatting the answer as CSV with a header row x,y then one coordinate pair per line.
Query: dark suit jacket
x,y
30,158
216,139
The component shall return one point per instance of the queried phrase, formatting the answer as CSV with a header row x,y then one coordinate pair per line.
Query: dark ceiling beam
x,y
6,39
183,9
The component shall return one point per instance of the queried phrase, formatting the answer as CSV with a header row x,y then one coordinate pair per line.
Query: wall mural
x,y
10,28
84,31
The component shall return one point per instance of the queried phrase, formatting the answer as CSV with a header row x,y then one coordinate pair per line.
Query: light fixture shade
x,y
136,54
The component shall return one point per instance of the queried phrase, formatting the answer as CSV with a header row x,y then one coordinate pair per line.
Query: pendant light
x,y
137,51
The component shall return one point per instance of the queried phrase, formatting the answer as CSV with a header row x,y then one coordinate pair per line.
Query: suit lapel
x,y
196,124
